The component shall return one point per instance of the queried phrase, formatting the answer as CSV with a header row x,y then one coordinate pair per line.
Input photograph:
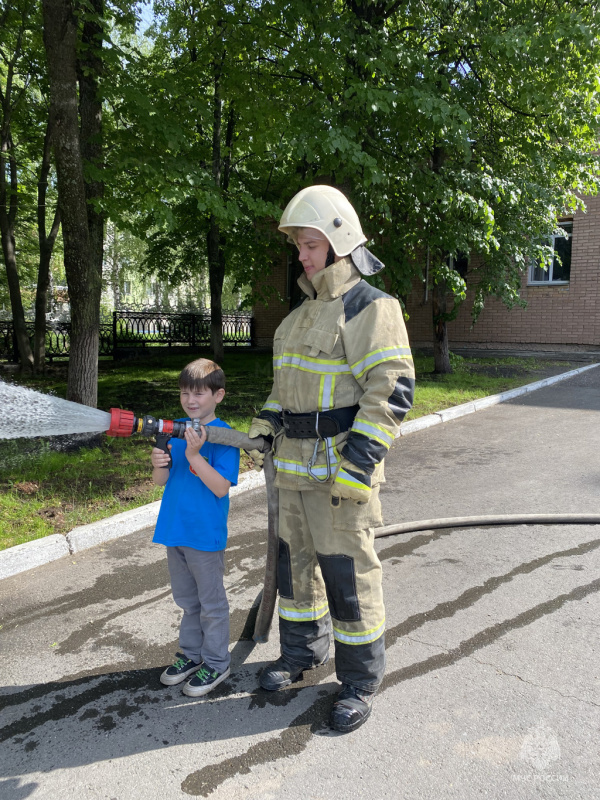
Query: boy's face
x,y
200,403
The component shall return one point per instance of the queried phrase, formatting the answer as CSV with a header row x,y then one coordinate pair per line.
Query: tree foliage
x,y
28,223
456,127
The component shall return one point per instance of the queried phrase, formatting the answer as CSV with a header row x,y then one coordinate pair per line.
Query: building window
x,y
126,287
559,271
460,263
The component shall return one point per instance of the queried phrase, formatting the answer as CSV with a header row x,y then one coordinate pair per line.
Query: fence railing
x,y
138,329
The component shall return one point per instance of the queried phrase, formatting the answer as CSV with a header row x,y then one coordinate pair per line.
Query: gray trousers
x,y
197,586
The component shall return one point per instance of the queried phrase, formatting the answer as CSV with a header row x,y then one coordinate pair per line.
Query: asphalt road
x,y
493,679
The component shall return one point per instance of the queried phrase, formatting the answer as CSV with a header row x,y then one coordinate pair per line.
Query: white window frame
x,y
566,225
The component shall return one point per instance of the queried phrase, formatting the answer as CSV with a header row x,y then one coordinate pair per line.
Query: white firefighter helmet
x,y
327,210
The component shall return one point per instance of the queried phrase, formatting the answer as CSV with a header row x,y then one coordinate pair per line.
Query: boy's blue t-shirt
x,y
190,514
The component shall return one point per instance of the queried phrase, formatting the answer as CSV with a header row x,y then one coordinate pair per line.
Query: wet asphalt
x,y
493,678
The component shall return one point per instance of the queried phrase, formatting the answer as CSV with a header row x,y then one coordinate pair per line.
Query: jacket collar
x,y
331,282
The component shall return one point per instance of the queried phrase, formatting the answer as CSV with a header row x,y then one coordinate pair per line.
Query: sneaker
x,y
281,673
179,670
204,681
351,709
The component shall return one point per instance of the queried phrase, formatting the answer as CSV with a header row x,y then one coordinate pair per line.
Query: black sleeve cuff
x,y
273,417
363,452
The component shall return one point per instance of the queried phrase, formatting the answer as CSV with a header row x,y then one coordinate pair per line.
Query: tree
x,y
83,276
456,127
16,28
199,163
46,242
26,166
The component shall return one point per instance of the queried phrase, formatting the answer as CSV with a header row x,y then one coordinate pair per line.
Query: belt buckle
x,y
313,459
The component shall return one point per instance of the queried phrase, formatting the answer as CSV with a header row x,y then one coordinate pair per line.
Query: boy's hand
x,y
160,459
194,441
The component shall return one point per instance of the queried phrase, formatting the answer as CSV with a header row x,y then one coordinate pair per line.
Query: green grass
x,y
472,379
44,492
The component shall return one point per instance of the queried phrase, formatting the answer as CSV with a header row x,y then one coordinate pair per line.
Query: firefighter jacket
x,y
345,345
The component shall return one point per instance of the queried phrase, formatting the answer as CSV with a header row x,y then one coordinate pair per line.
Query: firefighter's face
x,y
313,247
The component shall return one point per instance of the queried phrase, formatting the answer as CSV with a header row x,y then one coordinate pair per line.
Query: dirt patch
x,y
133,492
27,487
55,515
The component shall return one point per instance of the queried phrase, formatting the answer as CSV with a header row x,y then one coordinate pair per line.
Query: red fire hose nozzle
x,y
122,423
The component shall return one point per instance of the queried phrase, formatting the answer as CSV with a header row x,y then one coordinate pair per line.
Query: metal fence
x,y
130,330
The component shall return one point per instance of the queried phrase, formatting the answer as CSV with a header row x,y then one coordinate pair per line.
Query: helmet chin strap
x,y
330,257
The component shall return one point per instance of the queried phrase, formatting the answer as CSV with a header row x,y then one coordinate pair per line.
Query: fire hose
x,y
124,423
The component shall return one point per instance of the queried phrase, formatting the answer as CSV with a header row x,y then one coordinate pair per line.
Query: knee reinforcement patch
x,y
284,571
340,583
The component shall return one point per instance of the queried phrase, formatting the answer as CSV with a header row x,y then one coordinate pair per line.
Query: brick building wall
x,y
555,316
268,315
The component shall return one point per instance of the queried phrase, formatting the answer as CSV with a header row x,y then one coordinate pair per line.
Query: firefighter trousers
x,y
330,580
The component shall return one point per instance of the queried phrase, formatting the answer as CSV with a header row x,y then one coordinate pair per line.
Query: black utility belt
x,y
318,424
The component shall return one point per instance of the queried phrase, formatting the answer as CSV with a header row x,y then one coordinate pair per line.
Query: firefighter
x,y
343,381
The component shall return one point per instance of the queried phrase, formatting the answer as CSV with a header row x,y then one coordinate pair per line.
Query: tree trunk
x,y
81,266
14,289
46,245
8,214
89,68
214,252
216,260
441,351
112,250
439,298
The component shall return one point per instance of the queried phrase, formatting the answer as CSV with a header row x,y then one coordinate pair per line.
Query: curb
x,y
32,554
26,556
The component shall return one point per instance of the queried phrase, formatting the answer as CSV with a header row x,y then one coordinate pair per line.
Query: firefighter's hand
x,y
351,483
194,441
260,427
159,458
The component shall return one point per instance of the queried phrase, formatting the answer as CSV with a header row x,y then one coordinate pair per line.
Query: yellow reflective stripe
x,y
271,406
373,431
378,357
348,480
297,468
364,637
303,614
319,366
326,389
289,467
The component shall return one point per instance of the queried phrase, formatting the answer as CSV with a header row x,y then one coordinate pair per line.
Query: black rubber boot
x,y
351,709
281,673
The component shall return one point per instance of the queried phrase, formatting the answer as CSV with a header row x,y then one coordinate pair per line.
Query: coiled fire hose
x,y
124,423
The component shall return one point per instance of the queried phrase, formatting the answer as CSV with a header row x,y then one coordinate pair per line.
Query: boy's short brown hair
x,y
202,374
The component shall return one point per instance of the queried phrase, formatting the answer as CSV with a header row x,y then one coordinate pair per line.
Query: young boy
x,y
192,523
